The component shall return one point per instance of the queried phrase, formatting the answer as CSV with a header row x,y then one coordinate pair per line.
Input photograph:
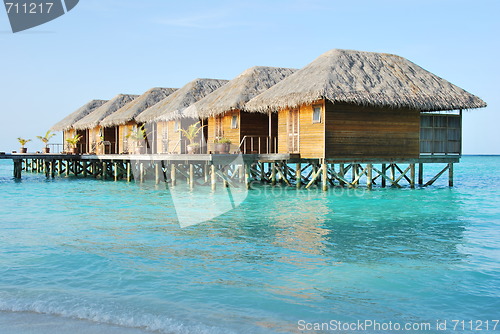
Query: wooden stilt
x,y
298,175
450,174
104,170
355,174
324,169
369,176
242,173
412,175
53,168
273,174
141,172
263,177
393,172
129,172
384,172
173,176
115,172
247,175
213,177
206,172
157,172
420,174
85,168
18,166
191,176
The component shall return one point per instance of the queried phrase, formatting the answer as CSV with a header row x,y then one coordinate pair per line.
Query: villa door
x,y
219,128
293,131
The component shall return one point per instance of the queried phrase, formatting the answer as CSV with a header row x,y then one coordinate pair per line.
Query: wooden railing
x,y
258,144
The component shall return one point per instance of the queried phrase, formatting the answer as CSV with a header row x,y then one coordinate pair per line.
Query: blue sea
x,y
89,256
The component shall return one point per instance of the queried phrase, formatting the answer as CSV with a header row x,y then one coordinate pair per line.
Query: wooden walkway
x,y
236,170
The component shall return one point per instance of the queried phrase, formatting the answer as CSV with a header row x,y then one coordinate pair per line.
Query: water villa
x,y
167,117
96,138
226,116
347,117
125,120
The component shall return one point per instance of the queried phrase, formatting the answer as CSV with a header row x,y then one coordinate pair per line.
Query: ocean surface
x,y
90,256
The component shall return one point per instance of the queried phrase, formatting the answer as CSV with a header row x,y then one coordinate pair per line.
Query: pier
x,y
236,170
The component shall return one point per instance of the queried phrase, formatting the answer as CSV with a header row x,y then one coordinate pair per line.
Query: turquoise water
x,y
87,256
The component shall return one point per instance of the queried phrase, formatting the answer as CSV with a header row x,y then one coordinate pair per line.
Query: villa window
x,y
317,114
234,122
177,126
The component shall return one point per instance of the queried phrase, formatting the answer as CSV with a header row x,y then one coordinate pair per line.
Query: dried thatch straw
x,y
173,106
93,119
67,122
129,111
237,92
365,78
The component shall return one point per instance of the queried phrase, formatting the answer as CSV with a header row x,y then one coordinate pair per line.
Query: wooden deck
x,y
236,169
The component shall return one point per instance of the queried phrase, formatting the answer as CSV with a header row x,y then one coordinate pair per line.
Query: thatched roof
x,y
129,111
67,122
365,78
237,92
173,106
94,118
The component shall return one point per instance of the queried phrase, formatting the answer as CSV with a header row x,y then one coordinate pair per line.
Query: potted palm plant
x,y
138,136
191,133
222,145
73,141
23,142
45,139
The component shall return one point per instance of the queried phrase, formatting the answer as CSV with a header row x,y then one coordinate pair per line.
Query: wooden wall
x,y
311,135
231,134
367,132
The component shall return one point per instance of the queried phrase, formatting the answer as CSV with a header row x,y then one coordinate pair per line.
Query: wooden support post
x,y
104,170
450,174
157,172
242,173
273,174
384,172
67,167
298,175
247,175
141,172
206,173
85,167
369,176
262,172
53,168
191,176
47,168
129,172
173,177
393,172
355,175
324,168
18,166
412,175
115,166
213,177
420,174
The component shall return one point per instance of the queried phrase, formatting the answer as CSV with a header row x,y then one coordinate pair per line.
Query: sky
x,y
106,47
